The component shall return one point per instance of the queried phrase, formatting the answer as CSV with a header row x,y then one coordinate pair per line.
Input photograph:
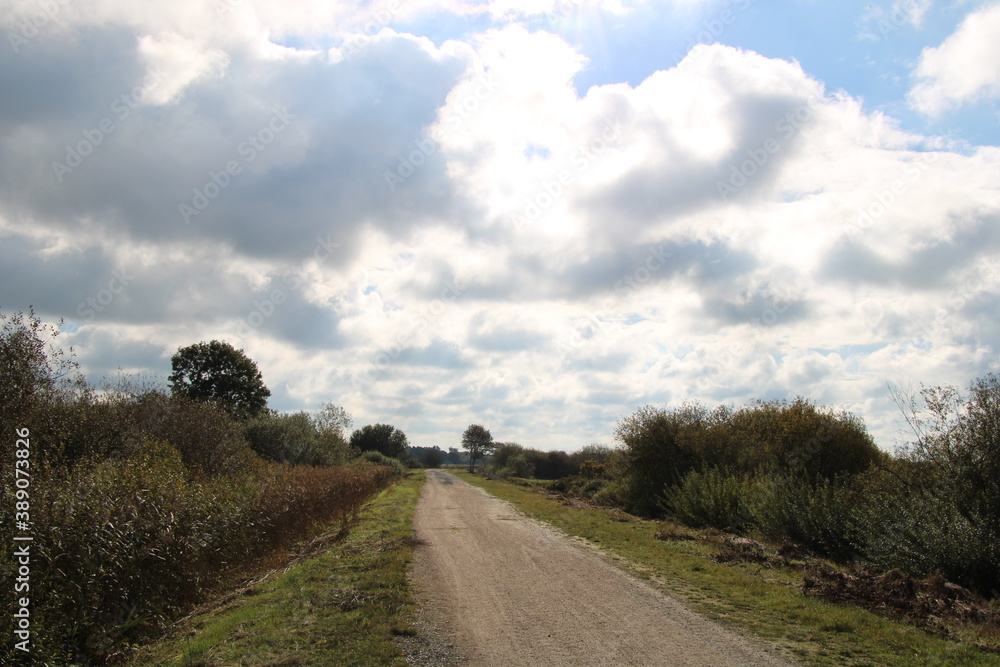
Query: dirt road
x,y
497,588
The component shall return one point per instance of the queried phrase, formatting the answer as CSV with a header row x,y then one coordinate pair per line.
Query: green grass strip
x,y
763,601
341,607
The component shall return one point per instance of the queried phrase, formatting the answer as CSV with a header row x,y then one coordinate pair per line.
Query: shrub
x,y
296,439
503,452
593,469
147,501
593,452
521,467
129,543
378,458
575,485
427,457
383,438
511,460
37,379
818,515
549,465
656,454
797,438
517,466
612,494
956,455
899,526
208,437
712,498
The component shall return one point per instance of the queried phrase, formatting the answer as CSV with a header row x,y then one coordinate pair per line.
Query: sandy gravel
x,y
497,588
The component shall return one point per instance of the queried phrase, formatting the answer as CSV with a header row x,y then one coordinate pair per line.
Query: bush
x,y
713,498
37,381
901,527
796,438
612,494
956,455
378,458
511,460
575,485
550,465
129,543
657,454
147,502
817,515
593,469
383,438
503,452
208,437
595,452
517,466
296,439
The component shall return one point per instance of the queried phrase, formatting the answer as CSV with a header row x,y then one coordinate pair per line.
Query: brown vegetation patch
x,y
672,533
931,603
744,550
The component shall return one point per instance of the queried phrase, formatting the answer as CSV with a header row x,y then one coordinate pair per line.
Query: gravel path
x,y
497,588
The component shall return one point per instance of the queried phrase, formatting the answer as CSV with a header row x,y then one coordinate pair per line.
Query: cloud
x,y
174,63
434,232
223,162
912,11
963,69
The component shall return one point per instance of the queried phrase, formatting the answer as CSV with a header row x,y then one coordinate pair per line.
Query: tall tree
x,y
333,419
478,441
217,371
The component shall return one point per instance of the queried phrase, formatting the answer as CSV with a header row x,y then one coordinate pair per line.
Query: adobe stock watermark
x,y
410,162
265,308
32,25
884,200
20,562
742,172
384,358
595,323
566,8
362,36
984,277
223,7
581,160
713,28
248,150
121,108
710,374
728,360
92,305
484,87
902,13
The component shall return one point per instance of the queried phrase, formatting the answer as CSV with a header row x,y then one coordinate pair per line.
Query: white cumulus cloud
x,y
964,68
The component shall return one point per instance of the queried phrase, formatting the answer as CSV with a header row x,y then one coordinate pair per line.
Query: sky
x,y
535,215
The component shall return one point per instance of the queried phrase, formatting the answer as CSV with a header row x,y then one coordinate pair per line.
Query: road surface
x,y
497,588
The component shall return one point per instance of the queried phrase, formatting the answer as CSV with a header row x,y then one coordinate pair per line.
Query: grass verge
x,y
765,601
342,605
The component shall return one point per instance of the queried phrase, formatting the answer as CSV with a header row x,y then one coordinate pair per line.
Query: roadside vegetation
x,y
752,585
913,535
143,502
343,600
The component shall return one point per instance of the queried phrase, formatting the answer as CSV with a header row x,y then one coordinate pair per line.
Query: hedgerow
x,y
142,503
